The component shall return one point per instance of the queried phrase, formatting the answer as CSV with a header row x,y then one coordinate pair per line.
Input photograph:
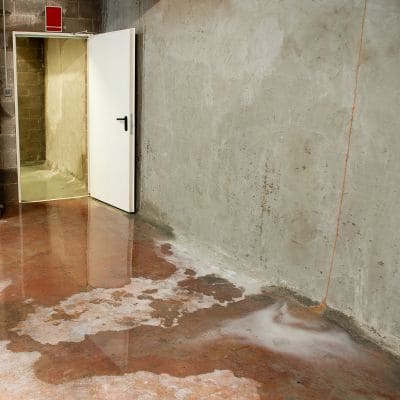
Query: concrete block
x,y
37,24
89,8
19,23
36,113
28,65
77,25
23,42
7,126
8,159
7,107
30,79
26,123
70,9
8,176
9,193
23,92
8,6
29,54
7,142
96,25
36,91
8,37
26,7
10,76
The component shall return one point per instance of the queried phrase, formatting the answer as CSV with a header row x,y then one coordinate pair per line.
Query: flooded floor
x,y
38,182
96,304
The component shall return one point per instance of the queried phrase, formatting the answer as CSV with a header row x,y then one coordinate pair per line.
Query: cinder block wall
x,y
28,15
30,68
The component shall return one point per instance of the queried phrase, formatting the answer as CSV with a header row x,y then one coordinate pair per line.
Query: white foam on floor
x,y
277,329
19,382
101,310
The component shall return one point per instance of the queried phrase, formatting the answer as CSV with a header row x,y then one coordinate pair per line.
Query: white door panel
x,y
111,96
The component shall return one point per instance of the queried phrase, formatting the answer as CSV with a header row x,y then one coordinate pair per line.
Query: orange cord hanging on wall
x,y
321,308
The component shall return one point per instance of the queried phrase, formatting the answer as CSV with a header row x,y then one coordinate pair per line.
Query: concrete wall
x,y
245,110
367,277
28,15
30,68
65,94
120,14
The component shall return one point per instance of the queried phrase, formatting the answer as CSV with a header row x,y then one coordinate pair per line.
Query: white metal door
x,y
111,88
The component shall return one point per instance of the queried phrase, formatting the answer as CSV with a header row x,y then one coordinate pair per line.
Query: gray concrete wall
x,y
28,15
245,109
120,14
367,276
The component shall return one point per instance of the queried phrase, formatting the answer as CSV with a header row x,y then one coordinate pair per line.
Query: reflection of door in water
x,y
106,244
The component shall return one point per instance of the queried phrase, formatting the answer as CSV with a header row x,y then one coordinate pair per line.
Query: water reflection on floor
x,y
96,304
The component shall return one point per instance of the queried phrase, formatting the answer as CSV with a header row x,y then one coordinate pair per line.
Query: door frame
x,y
40,35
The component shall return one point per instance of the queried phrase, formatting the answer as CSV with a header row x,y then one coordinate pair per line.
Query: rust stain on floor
x,y
92,306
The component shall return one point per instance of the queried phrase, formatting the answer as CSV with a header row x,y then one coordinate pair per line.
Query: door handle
x,y
125,119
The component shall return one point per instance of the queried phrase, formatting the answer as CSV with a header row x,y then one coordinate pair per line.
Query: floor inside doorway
x,y
39,182
99,304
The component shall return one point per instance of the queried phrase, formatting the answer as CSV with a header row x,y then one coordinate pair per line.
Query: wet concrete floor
x,y
96,304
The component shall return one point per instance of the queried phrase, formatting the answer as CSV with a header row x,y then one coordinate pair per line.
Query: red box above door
x,y
53,19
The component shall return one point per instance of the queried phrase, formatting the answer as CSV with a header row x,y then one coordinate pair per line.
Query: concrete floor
x,y
39,182
96,304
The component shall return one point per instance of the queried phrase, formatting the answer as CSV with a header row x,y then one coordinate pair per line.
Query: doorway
x,y
51,98
75,102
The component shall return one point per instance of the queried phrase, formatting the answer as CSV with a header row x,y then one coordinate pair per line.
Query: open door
x,y
111,88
